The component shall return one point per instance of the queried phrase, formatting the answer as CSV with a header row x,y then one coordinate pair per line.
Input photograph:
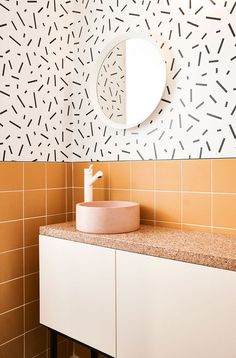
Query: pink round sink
x,y
107,217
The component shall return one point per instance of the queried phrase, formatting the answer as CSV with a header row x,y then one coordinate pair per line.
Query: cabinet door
x,y
169,309
77,291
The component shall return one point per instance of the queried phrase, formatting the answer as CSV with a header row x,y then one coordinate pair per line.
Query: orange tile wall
x,y
184,194
191,194
31,194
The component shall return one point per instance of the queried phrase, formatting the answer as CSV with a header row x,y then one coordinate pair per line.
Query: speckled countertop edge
x,y
212,250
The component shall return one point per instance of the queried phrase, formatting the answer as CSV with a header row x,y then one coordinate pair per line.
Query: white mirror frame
x,y
97,67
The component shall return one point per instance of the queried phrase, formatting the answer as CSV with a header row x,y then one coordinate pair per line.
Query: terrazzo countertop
x,y
199,248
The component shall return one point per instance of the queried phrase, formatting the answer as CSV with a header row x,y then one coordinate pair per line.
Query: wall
x,y
31,194
36,64
47,53
189,195
196,116
193,194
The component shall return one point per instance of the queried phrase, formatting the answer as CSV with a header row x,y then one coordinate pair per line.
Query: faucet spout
x,y
95,177
89,180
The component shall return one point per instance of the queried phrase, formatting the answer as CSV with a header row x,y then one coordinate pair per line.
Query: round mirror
x,y
129,80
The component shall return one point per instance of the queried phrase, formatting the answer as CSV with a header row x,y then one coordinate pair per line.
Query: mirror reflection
x,y
131,81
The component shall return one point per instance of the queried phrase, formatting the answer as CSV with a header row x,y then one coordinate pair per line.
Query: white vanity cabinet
x,y
77,291
170,309
136,306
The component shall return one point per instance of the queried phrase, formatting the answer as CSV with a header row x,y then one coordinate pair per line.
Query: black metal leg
x,y
93,353
53,338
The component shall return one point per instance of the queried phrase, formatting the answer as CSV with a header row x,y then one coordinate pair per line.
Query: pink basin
x,y
107,217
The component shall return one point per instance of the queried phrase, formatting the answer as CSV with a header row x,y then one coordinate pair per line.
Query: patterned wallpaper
x,y
36,72
48,50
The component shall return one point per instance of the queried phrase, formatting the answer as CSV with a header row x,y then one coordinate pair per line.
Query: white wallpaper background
x,y
48,50
36,74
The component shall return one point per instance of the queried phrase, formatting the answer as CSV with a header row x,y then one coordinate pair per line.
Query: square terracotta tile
x,y
78,195
197,228
168,175
34,175
224,210
13,349
11,295
11,325
78,173
196,175
31,259
11,264
100,355
56,201
65,349
31,230
43,355
120,195
120,175
168,207
82,351
56,175
69,200
146,200
11,177
171,225
70,217
11,207
56,219
69,175
100,194
142,175
60,338
11,235
224,175
197,209
31,315
147,222
34,203
32,287
35,342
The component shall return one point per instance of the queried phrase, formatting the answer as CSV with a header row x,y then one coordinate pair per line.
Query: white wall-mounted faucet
x,y
89,180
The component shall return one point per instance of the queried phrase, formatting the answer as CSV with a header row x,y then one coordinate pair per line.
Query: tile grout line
x,y
18,307
11,340
30,190
19,277
167,191
47,350
16,249
20,335
30,218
